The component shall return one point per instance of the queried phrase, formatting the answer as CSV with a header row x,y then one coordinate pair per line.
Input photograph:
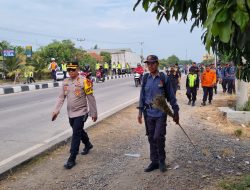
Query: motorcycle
x,y
137,79
100,76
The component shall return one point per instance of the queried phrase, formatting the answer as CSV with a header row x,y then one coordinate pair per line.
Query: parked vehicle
x,y
60,75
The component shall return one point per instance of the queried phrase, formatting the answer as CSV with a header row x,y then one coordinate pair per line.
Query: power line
x,y
34,33
65,37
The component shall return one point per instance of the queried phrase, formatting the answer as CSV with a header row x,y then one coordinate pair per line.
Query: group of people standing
x,y
209,76
117,68
54,67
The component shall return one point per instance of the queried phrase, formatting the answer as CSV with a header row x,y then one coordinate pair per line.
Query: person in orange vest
x,y
53,66
208,80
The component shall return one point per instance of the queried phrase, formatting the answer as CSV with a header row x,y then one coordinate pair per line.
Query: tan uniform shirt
x,y
78,98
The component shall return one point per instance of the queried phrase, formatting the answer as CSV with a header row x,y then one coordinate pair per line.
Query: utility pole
x,y
141,43
80,40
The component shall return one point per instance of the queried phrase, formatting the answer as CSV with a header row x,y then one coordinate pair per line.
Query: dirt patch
x,y
220,154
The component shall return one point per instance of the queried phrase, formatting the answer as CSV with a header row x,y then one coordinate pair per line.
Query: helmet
x,y
53,59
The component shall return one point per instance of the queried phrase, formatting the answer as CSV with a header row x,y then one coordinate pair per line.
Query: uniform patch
x,y
65,89
77,91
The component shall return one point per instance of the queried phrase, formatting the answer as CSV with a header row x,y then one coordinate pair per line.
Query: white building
x,y
122,56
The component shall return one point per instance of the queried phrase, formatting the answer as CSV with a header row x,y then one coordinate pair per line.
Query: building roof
x,y
96,56
112,51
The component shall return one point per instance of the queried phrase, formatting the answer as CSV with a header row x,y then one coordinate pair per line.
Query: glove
x,y
176,118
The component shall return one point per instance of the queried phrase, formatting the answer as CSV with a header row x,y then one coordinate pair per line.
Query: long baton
x,y
187,136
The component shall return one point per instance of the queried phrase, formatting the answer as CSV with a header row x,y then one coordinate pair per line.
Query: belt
x,y
148,106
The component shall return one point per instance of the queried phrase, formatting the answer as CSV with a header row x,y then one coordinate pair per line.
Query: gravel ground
x,y
219,155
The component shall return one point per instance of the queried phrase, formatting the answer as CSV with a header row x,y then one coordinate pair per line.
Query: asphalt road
x,y
25,118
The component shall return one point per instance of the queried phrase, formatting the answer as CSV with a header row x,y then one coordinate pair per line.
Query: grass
x,y
238,132
237,184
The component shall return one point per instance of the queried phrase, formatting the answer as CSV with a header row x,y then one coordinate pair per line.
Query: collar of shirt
x,y
153,76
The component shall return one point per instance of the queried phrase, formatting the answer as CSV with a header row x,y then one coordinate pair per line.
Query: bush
x,y
238,132
242,184
246,107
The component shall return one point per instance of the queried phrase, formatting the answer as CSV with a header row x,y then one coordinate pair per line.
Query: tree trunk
x,y
242,94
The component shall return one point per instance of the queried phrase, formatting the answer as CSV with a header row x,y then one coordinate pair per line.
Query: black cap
x,y
151,59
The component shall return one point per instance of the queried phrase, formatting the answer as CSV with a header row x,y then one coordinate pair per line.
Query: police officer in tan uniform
x,y
80,103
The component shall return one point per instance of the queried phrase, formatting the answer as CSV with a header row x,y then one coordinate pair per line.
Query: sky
x,y
107,23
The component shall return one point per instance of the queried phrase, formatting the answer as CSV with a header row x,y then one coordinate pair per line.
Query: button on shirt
x,y
154,86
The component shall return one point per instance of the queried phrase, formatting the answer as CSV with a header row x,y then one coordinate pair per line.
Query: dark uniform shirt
x,y
154,86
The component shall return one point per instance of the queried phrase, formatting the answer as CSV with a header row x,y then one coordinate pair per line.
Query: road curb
x,y
9,165
31,87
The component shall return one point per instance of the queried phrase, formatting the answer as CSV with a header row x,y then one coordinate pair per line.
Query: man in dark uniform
x,y
79,93
174,77
154,84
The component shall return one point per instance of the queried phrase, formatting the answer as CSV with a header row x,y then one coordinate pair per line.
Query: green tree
x,y
64,50
185,62
163,63
87,59
11,65
5,45
226,24
40,65
173,59
106,57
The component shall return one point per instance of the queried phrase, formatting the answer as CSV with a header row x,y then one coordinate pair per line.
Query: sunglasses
x,y
71,70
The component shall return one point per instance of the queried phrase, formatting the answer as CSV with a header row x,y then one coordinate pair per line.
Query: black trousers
x,y
114,71
224,84
156,138
119,71
231,86
53,74
32,79
78,135
64,74
191,93
207,91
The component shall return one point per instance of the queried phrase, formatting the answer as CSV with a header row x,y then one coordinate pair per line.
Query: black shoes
x,y
210,102
87,149
151,167
189,102
162,166
193,103
203,103
71,162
